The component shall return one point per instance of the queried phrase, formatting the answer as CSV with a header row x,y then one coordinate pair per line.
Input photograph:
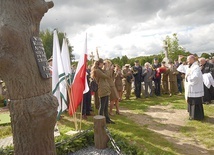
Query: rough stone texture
x,y
33,108
93,151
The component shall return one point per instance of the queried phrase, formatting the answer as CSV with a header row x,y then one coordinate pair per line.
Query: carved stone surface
x,y
33,108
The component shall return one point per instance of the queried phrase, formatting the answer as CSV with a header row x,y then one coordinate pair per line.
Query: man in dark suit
x,y
157,76
207,67
137,73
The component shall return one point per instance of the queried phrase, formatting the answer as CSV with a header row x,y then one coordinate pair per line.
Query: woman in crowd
x,y
104,90
118,81
114,97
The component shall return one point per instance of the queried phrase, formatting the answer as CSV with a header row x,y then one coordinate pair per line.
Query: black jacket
x,y
208,68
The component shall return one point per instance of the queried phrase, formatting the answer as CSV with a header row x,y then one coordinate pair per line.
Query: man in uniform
x,y
164,78
127,81
173,88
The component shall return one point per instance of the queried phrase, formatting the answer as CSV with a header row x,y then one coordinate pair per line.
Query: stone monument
x,y
166,48
23,68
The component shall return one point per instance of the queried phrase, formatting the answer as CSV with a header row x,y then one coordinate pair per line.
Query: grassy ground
x,y
148,142
4,118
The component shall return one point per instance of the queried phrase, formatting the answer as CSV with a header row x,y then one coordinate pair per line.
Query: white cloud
x,y
133,28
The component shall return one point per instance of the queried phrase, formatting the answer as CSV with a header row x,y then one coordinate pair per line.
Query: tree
x,y
117,61
206,55
174,49
47,39
124,60
32,106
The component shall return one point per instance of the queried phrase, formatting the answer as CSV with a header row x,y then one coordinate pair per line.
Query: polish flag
x,y
79,85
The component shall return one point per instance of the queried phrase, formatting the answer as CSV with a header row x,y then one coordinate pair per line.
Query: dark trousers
x,y
179,83
103,110
208,94
86,103
157,86
137,85
195,108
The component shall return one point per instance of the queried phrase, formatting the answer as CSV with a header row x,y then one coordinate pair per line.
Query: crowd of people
x,y
150,79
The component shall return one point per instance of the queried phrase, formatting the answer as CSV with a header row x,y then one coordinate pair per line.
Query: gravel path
x,y
93,151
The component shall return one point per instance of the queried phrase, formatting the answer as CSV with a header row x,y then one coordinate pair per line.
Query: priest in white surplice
x,y
194,90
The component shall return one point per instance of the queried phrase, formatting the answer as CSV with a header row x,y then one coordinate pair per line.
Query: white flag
x,y
58,76
66,60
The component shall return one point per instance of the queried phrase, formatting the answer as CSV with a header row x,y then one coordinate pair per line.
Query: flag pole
x,y
73,111
81,116
69,99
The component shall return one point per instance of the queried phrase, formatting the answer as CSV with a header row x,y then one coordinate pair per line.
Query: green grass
x,y
147,141
5,131
4,118
201,130
5,128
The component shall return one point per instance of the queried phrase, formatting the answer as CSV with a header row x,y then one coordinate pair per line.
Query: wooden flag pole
x,y
73,112
81,115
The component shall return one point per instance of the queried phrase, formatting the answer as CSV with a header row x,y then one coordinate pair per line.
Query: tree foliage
x,y
121,61
47,39
174,49
206,55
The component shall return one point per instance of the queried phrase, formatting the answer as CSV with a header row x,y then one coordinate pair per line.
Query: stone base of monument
x,y
56,131
72,132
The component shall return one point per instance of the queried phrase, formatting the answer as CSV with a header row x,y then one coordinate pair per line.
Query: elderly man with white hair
x,y
207,70
148,74
194,90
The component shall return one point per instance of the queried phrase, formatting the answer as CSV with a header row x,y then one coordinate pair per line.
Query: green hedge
x,y
65,145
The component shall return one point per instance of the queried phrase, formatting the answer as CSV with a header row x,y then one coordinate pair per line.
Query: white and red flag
x,y
79,85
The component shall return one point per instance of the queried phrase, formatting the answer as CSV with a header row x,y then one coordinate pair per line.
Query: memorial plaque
x,y
40,55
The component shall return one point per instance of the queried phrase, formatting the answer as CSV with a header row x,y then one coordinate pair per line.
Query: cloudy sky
x,y
133,27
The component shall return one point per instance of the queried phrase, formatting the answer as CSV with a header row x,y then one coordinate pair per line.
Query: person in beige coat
x,y
173,88
128,78
104,89
164,79
118,81
114,97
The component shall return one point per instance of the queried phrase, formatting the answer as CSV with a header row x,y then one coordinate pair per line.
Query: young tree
x,y
33,108
174,48
47,39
